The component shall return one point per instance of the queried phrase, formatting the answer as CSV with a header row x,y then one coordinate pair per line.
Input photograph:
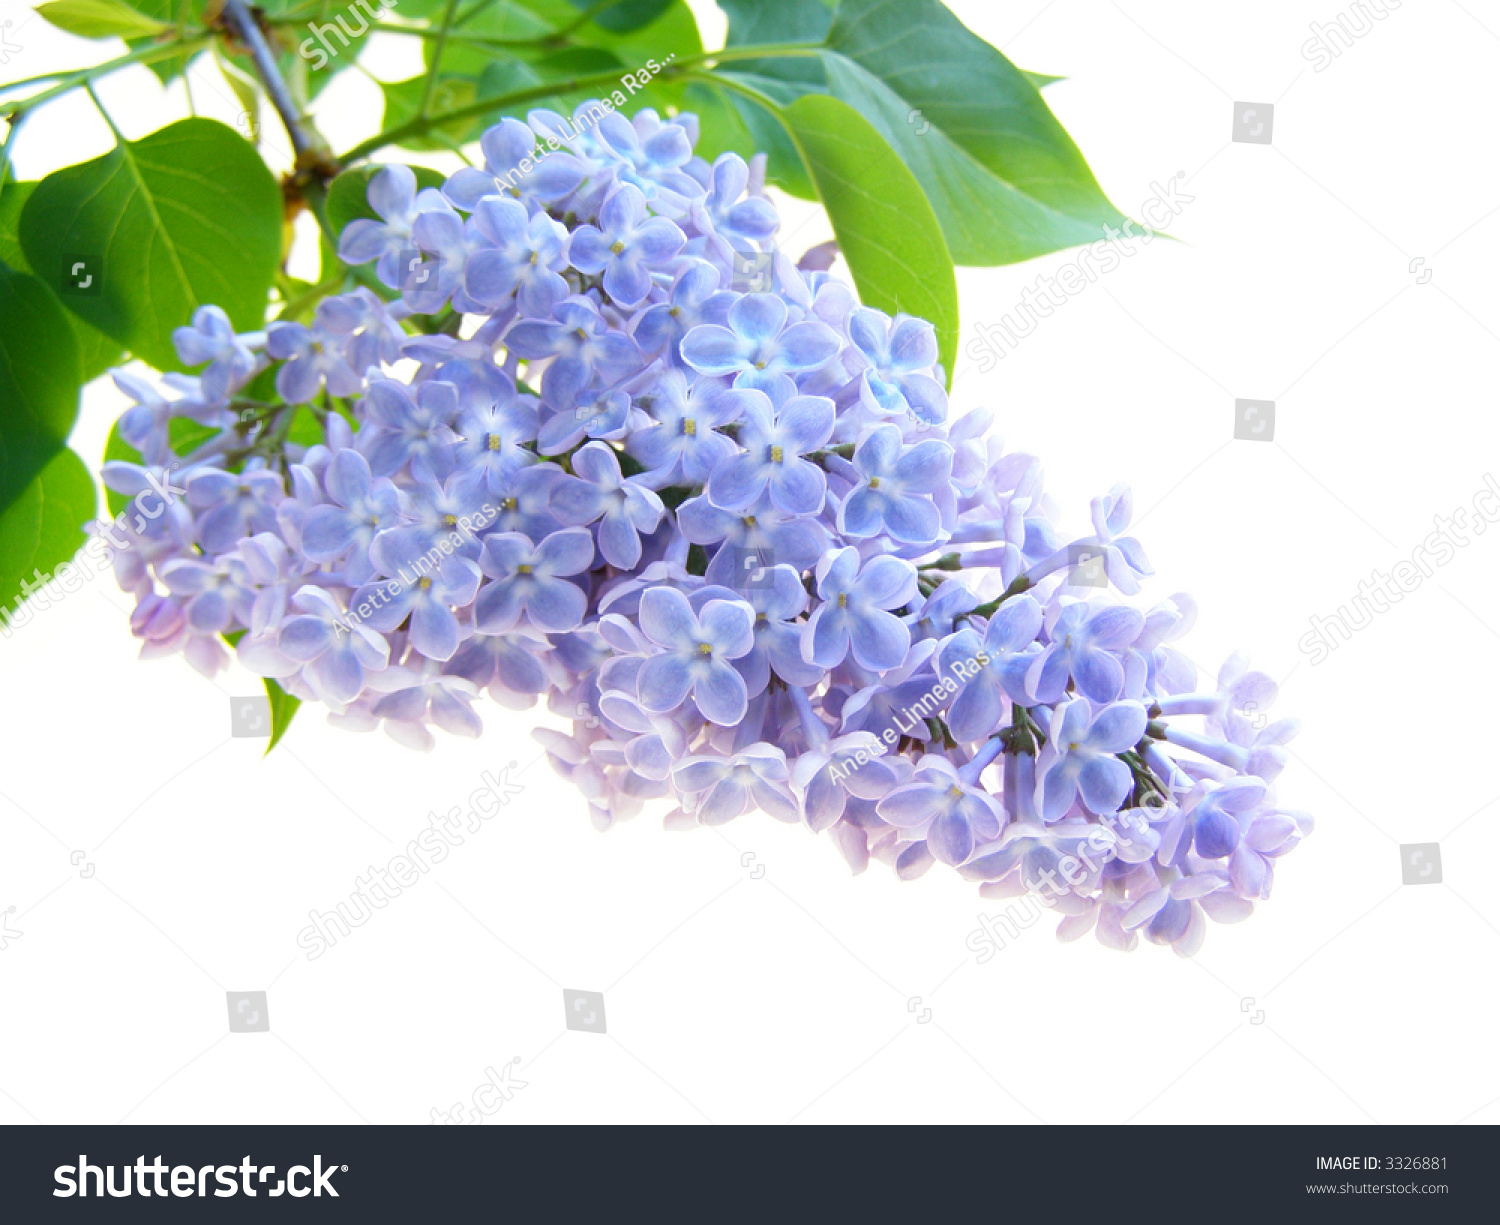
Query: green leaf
x,y
885,228
783,80
672,33
99,19
624,16
186,216
784,168
1006,181
39,380
283,708
44,526
96,351
348,195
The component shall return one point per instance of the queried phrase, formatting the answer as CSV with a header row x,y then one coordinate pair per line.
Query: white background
x,y
800,994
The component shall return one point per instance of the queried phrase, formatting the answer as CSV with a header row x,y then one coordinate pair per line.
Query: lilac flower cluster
x,y
601,442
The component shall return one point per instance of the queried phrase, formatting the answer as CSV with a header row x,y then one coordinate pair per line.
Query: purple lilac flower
x,y
728,787
944,804
695,298
852,614
506,147
211,339
685,445
775,440
581,346
890,497
312,357
755,344
1085,649
990,667
339,654
900,353
359,506
626,246
596,493
696,655
493,428
1080,757
522,258
406,428
731,541
427,599
532,581
393,195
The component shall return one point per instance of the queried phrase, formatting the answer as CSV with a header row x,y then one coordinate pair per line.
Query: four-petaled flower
x,y
1080,757
623,507
533,580
755,345
696,655
626,245
775,441
893,494
852,614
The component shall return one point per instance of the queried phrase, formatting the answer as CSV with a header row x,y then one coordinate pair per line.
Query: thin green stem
x,y
10,137
119,136
1020,584
450,10
71,80
296,307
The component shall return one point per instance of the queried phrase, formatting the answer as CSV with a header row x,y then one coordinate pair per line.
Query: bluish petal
x,y
879,640
711,349
720,694
556,605
1104,782
663,683
806,346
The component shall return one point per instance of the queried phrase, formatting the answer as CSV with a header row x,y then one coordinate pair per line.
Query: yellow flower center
x,y
507,503
689,426
617,248
843,600
705,648
493,442
523,569
776,455
874,482
424,583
